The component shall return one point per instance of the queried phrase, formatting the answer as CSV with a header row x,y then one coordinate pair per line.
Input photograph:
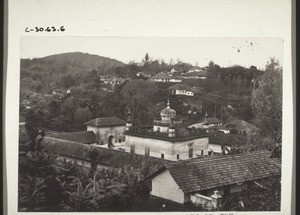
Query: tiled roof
x,y
239,125
106,121
216,171
85,137
226,139
108,157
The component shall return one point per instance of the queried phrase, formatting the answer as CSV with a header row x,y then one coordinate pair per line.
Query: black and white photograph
x,y
146,107
150,124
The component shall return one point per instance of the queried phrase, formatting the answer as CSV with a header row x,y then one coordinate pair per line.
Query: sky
x,y
196,51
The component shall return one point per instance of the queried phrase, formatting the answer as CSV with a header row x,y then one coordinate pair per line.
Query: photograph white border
x,y
133,18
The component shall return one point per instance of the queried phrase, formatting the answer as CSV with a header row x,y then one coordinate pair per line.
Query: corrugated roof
x,y
106,121
107,157
85,137
216,171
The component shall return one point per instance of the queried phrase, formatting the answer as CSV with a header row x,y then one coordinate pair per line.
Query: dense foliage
x,y
48,184
264,195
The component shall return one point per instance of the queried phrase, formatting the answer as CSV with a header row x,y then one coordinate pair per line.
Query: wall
x,y
163,129
169,149
217,148
103,133
199,199
164,186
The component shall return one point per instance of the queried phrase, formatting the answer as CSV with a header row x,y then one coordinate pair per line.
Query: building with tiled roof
x,y
71,150
222,143
165,77
207,122
167,139
84,137
109,130
200,177
238,126
182,89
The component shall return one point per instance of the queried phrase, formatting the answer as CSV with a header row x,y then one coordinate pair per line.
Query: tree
x,y
267,100
139,95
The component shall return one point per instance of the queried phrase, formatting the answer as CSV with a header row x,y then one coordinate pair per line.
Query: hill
x,y
70,62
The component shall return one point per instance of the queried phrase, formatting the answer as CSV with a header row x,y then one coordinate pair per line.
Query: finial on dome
x,y
168,103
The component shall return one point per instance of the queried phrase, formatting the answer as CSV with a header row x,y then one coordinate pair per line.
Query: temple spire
x,y
168,103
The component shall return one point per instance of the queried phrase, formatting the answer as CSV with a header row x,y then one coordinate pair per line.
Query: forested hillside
x,y
61,71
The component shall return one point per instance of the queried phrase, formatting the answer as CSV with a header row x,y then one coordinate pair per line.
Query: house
x,y
207,122
196,180
114,81
84,137
142,74
109,130
181,89
165,77
222,143
237,126
168,138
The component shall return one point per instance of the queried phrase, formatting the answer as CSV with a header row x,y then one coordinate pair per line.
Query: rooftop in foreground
x,y
210,172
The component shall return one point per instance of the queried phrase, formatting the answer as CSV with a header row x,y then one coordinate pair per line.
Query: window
x,y
162,156
147,151
201,152
177,156
190,152
120,140
132,149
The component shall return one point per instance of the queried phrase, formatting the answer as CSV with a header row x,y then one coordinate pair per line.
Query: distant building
x,y
109,130
142,74
165,77
196,180
114,81
182,89
195,69
220,143
168,138
237,126
207,122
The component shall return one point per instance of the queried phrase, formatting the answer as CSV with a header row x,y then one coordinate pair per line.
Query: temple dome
x,y
168,112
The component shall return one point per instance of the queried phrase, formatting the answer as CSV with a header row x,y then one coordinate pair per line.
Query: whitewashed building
x,y
109,130
168,139
196,180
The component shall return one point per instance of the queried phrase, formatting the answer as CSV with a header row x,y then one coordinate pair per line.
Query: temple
x,y
167,139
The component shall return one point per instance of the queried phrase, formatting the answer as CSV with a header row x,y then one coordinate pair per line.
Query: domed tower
x,y
167,114
167,119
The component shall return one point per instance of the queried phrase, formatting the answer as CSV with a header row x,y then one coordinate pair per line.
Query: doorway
x,y
111,140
